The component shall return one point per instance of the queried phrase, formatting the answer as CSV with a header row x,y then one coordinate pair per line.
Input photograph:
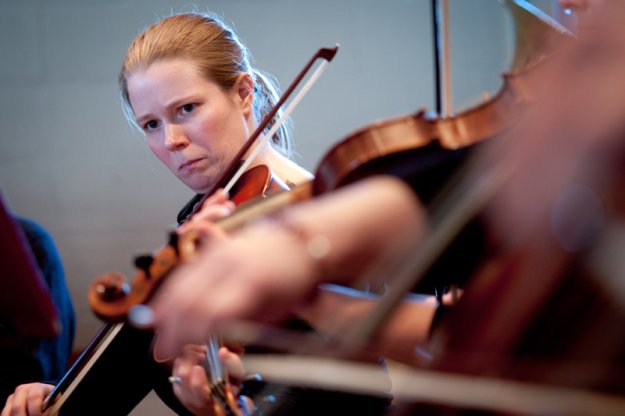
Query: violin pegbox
x,y
111,297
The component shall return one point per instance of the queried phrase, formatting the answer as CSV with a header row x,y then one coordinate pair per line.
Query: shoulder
x,y
287,170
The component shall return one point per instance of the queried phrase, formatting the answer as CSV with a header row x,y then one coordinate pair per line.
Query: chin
x,y
198,188
199,184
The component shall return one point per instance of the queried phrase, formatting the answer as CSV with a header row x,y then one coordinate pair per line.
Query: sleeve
x,y
53,354
428,170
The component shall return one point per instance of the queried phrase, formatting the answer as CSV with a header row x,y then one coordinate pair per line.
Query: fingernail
x,y
141,316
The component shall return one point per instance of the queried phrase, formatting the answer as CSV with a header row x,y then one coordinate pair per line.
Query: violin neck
x,y
259,208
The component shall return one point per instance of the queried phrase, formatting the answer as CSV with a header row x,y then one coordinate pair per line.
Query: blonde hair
x,y
219,54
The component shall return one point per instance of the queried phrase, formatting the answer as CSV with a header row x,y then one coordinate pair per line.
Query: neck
x,y
282,168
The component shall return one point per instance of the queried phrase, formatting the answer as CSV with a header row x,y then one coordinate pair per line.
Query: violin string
x,y
215,373
215,368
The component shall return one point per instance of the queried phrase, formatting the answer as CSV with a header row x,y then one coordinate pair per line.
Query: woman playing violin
x,y
187,83
172,95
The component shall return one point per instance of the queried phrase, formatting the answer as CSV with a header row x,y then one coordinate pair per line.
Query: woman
x,y
187,84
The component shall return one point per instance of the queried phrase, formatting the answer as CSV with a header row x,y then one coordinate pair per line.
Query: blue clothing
x,y
26,360
52,354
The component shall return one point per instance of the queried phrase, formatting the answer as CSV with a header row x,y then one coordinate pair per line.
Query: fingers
x,y
220,196
27,400
191,385
202,223
172,335
216,206
207,231
183,299
451,298
192,389
242,278
35,402
232,363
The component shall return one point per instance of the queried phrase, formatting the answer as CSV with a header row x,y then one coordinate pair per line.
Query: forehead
x,y
176,73
166,83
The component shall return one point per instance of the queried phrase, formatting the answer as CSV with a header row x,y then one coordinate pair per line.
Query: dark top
x,y
25,360
428,170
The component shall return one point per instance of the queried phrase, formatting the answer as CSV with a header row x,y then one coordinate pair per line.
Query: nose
x,y
175,138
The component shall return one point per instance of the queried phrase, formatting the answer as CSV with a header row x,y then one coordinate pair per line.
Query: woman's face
x,y
192,125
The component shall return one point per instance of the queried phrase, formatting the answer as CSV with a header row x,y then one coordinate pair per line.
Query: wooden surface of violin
x,y
352,157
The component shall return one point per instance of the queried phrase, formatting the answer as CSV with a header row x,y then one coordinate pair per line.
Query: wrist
x,y
315,247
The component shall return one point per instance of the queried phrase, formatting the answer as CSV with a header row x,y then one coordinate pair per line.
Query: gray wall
x,y
69,160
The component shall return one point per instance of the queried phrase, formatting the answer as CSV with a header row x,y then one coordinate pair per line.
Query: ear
x,y
244,89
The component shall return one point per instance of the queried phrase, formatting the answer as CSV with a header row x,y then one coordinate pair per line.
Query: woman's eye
x,y
150,125
188,108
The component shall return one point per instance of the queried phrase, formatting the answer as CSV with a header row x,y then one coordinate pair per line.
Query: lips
x,y
189,164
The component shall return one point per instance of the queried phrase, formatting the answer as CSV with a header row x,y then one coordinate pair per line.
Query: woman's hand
x,y
242,278
192,386
215,207
27,400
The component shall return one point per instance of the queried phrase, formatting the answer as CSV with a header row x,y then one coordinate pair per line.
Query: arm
x,y
268,269
335,309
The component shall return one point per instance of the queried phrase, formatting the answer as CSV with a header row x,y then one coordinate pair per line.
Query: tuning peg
x,y
173,240
111,287
143,262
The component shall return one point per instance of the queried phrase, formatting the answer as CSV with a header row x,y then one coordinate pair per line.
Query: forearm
x,y
337,309
364,226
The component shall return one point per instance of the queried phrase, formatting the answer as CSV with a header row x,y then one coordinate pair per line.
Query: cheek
x,y
238,131
159,151
225,131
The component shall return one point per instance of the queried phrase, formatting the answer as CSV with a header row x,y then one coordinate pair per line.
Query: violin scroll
x,y
111,297
111,287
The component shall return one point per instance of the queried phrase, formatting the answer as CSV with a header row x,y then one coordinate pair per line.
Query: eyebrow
x,y
141,120
172,104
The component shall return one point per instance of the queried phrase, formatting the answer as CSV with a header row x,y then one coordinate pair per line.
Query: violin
x,y
540,306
